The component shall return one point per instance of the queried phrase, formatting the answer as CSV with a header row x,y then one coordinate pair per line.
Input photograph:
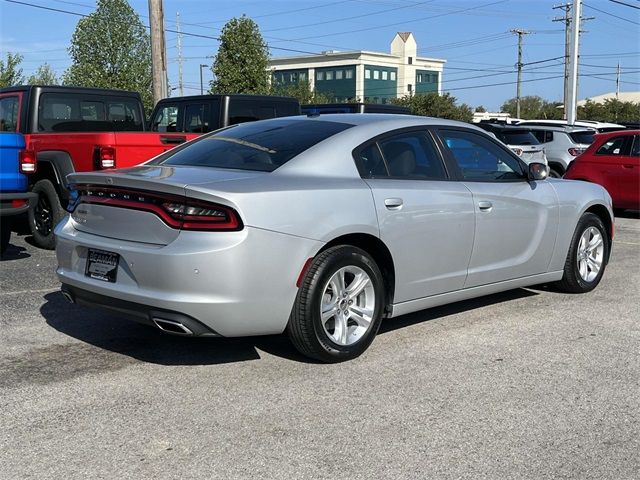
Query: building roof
x,y
404,35
622,96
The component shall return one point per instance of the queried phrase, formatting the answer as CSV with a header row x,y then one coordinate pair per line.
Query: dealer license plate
x,y
102,265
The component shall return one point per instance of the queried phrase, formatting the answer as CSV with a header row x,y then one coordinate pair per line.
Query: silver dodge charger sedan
x,y
320,226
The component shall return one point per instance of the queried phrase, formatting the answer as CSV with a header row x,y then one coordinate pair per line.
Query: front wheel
x,y
339,306
587,257
45,215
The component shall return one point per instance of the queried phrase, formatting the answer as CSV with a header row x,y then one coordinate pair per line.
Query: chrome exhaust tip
x,y
67,296
171,326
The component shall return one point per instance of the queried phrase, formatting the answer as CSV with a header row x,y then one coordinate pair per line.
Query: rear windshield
x,y
518,137
582,137
59,112
262,146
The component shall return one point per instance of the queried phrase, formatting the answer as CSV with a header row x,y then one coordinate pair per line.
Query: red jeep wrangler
x,y
68,129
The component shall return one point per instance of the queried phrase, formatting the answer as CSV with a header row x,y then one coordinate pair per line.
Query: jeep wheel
x,y
45,215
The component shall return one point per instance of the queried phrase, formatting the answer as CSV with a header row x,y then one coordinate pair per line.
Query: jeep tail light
x,y
576,151
106,157
517,151
27,161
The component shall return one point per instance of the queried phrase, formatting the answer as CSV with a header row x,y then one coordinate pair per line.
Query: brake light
x,y
175,211
17,203
576,151
27,161
106,157
517,151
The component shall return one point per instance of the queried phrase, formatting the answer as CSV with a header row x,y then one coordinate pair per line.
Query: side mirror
x,y
538,171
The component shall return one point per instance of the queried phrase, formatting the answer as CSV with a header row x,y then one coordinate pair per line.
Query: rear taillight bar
x,y
175,211
27,161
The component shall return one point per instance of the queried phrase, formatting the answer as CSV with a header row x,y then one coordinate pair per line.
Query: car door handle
x,y
485,206
393,203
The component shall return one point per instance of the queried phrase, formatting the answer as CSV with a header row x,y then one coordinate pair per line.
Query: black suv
x,y
205,113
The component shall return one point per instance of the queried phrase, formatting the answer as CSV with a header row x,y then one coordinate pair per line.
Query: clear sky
x,y
472,35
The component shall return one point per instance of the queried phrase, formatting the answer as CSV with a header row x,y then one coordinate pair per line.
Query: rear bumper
x,y
6,202
233,283
137,312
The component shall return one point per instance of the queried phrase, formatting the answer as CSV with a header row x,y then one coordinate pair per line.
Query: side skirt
x,y
468,293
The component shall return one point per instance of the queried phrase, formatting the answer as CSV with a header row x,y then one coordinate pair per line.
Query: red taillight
x,y
106,157
576,151
177,212
27,161
15,203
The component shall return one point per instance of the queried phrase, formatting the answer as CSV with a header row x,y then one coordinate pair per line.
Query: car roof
x,y
389,120
618,133
561,128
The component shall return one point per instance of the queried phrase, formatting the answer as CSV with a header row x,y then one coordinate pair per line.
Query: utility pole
x,y
567,22
567,41
618,82
571,105
201,82
158,53
180,84
520,34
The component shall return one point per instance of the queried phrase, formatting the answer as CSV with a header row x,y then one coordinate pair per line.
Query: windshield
x,y
518,137
582,137
262,146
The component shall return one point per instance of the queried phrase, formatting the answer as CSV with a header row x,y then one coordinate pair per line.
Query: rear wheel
x,y
339,306
587,257
46,214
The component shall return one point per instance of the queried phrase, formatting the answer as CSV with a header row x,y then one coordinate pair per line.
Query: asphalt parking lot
x,y
525,384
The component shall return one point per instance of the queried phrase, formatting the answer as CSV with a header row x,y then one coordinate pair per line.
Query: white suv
x,y
562,144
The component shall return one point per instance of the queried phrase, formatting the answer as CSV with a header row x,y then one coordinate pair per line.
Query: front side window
x,y
9,113
479,158
613,146
262,146
165,119
635,150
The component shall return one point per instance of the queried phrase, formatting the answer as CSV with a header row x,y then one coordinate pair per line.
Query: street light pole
x,y
201,84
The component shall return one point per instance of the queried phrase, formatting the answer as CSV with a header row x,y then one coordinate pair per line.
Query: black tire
x,y
45,215
305,325
554,173
572,281
5,234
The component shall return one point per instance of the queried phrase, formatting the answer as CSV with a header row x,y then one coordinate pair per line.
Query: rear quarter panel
x,y
574,199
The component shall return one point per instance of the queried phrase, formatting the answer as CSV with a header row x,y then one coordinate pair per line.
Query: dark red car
x,y
613,161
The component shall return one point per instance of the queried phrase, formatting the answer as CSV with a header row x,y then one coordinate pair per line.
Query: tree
x,y
10,73
534,107
611,110
43,76
435,105
111,48
302,91
242,60
480,109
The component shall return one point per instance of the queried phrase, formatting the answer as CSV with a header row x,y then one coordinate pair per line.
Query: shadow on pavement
x,y
108,332
14,252
628,214
144,343
452,309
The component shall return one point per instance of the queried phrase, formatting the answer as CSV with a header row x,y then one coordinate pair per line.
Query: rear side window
x,y
196,118
519,137
412,155
582,137
635,150
254,146
614,146
89,113
9,113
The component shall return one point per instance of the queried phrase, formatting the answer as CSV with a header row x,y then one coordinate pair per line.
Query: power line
x,y
625,4
610,14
